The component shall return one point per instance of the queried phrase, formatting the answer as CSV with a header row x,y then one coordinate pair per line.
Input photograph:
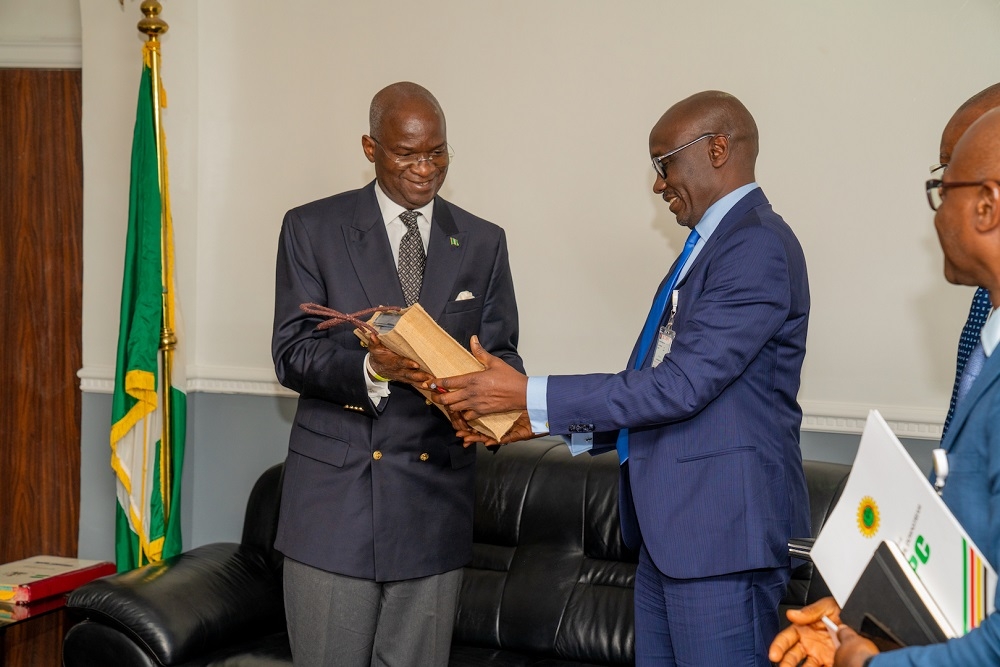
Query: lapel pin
x,y
454,241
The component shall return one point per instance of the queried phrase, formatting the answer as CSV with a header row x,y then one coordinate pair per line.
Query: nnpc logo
x,y
868,516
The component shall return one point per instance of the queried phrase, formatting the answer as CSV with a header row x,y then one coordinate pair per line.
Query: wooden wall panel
x,y
41,284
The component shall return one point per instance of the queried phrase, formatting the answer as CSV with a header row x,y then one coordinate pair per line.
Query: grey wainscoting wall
x,y
233,438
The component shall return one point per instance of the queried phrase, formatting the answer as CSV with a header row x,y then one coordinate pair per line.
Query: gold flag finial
x,y
152,25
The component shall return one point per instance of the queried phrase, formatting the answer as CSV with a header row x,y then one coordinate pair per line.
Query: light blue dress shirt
x,y
990,334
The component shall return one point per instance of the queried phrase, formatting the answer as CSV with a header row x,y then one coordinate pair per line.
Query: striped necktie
x,y
656,313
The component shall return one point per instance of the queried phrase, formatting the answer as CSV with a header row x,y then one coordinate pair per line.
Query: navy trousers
x,y
729,619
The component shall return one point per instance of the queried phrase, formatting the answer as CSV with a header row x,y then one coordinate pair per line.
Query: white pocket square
x,y
464,296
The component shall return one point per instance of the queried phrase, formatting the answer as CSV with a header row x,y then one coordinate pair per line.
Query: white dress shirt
x,y
395,228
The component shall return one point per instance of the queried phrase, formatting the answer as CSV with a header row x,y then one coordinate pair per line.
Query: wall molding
x,y
818,416
905,422
204,379
41,54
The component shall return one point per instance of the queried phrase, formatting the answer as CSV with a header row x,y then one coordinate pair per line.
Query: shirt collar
x,y
391,210
990,334
717,211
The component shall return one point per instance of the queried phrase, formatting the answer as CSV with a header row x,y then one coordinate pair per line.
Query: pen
x,y
831,627
440,390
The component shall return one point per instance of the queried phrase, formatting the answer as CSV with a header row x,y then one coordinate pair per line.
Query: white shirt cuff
x,y
376,389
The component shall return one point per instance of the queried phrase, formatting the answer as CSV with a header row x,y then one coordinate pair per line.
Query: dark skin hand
x,y
854,649
390,365
498,388
521,430
807,636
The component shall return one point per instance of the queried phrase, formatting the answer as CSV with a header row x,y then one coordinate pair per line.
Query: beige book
x,y
413,334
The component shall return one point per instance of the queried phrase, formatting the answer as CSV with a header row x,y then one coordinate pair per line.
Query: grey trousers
x,y
338,621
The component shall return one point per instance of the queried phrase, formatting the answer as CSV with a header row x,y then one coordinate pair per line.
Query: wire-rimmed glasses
x,y
440,157
658,162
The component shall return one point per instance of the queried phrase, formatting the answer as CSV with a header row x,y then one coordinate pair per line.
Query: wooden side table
x,y
32,634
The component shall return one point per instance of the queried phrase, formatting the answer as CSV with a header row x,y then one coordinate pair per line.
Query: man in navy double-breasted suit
x,y
377,499
713,485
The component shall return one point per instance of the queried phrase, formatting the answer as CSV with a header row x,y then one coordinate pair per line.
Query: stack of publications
x,y
895,558
37,585
414,334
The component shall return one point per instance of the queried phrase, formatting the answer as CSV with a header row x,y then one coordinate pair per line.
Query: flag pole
x,y
153,26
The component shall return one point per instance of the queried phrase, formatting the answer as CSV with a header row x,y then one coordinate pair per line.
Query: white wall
x,y
549,107
40,33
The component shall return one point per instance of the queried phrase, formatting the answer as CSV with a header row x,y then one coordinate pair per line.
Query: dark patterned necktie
x,y
978,313
411,258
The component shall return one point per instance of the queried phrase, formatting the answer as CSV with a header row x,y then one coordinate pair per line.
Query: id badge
x,y
665,336
664,339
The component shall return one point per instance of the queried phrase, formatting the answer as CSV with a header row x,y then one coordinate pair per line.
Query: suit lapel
x,y
371,255
445,251
987,377
752,199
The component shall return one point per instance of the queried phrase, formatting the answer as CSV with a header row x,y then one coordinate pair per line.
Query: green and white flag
x,y
148,474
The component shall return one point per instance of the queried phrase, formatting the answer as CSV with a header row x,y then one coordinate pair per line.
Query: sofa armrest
x,y
191,604
801,547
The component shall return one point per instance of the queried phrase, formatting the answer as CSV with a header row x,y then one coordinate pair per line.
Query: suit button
x,y
428,401
424,456
376,455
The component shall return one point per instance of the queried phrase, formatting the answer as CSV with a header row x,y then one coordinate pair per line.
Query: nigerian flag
x,y
148,473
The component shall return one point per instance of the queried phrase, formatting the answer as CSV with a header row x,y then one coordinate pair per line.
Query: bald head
x,y
966,115
407,143
703,148
968,219
716,111
397,97
977,153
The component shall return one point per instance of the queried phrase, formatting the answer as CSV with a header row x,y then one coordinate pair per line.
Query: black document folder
x,y
891,604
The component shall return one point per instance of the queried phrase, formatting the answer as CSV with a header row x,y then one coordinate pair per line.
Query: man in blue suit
x,y
969,112
973,451
705,416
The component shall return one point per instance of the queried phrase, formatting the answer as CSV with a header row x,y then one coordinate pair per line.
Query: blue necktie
x,y
978,313
652,325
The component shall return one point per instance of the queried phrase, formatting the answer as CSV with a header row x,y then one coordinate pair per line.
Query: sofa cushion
x,y
550,576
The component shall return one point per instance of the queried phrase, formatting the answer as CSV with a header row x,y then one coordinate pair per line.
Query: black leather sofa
x,y
550,583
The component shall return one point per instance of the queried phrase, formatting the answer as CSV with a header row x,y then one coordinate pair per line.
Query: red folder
x,y
41,577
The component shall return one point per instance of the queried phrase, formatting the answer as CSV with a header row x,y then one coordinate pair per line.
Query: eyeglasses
x,y
658,162
938,168
440,158
936,189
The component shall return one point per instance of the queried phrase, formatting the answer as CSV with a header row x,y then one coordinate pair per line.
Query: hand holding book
x,y
495,389
389,366
412,335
